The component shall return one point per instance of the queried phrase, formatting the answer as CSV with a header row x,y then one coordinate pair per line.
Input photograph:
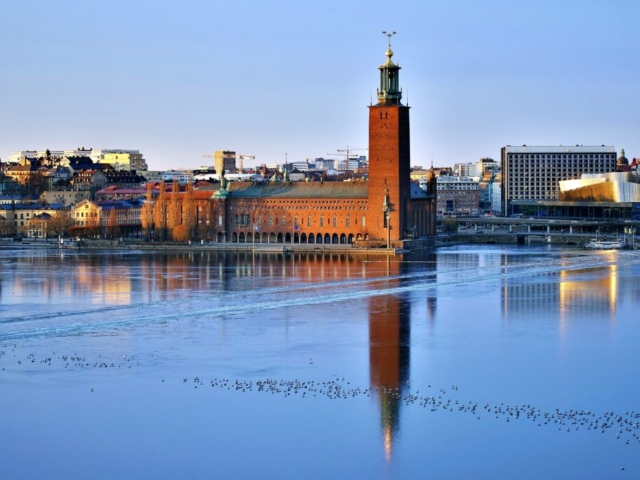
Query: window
x,y
322,220
335,221
283,220
308,220
347,221
362,223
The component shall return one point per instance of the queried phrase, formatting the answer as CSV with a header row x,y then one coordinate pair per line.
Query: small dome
x,y
622,160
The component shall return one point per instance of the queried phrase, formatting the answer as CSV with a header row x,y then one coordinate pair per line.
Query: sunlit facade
x,y
534,173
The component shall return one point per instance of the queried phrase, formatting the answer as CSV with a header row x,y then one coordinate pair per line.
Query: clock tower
x,y
389,158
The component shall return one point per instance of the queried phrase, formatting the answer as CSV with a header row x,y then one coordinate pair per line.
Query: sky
x,y
285,79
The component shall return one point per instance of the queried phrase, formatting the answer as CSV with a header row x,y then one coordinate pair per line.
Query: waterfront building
x,y
603,187
496,194
93,217
534,173
388,209
18,214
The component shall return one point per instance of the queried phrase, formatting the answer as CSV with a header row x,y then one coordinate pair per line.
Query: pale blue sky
x,y
180,79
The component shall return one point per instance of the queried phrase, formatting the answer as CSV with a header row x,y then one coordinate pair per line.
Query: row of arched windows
x,y
244,220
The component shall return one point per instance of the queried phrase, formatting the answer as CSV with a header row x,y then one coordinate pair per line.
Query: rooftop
x,y
561,149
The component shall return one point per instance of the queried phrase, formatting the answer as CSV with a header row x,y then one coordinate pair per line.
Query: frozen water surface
x,y
472,362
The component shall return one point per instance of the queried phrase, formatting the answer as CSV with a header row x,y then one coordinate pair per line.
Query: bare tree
x,y
147,214
174,208
59,224
112,226
92,225
160,212
189,212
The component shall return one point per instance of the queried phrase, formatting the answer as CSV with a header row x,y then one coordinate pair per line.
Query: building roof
x,y
306,190
561,149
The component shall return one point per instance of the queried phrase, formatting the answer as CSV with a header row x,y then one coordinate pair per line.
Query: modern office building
x,y
224,161
534,173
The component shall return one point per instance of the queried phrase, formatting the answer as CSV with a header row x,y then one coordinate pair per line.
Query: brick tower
x,y
389,158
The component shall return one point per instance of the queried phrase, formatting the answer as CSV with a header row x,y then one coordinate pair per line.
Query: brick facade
x,y
333,212
389,166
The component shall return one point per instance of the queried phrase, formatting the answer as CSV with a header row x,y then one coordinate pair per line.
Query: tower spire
x,y
389,92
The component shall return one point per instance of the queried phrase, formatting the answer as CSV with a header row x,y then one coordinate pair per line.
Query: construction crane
x,y
347,152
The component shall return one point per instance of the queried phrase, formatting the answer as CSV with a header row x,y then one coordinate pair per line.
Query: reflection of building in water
x,y
389,347
432,303
591,291
99,280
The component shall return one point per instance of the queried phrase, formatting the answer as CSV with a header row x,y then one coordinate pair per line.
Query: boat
x,y
596,244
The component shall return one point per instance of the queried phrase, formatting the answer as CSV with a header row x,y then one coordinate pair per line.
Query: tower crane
x,y
347,152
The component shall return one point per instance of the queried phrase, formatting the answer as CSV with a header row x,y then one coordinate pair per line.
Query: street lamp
x,y
386,212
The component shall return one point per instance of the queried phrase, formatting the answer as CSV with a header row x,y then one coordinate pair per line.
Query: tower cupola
x,y
389,92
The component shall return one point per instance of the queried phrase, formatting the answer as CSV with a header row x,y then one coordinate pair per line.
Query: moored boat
x,y
596,244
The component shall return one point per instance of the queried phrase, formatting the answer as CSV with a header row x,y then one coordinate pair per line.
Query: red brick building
x,y
388,209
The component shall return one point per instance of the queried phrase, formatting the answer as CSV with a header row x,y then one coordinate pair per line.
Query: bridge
x,y
551,230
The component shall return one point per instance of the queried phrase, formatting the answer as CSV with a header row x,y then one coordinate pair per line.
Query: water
x,y
473,362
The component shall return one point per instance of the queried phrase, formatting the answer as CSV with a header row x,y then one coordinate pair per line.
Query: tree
x,y
180,233
36,184
189,212
174,208
59,224
6,227
92,225
112,226
160,212
146,216
450,225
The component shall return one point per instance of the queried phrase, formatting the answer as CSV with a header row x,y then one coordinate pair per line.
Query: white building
x,y
183,176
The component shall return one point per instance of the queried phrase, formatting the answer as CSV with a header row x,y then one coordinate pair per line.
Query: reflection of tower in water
x,y
389,341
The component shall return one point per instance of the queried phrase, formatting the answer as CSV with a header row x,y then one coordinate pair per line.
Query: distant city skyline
x,y
290,80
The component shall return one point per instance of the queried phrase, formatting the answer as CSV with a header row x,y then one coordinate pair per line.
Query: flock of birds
x,y
626,427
